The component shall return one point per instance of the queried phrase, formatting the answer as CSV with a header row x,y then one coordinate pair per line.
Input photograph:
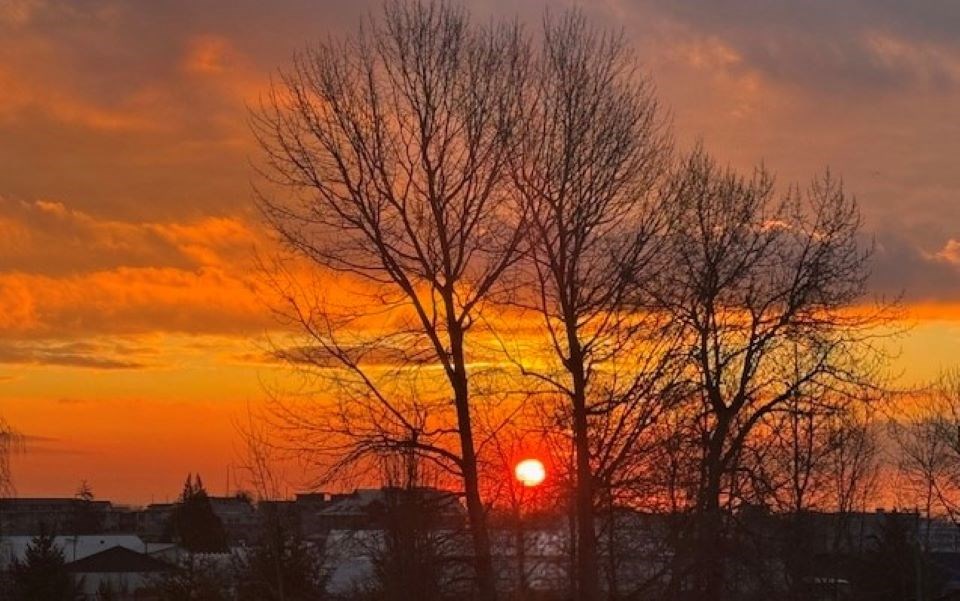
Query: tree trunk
x,y
710,549
588,585
476,512
613,551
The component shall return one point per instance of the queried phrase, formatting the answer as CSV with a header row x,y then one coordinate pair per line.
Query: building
x,y
121,570
239,517
28,516
153,521
369,508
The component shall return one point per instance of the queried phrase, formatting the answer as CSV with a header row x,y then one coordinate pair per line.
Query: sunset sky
x,y
131,326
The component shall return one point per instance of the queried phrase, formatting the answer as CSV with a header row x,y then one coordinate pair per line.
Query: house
x,y
28,516
368,508
153,521
124,571
238,516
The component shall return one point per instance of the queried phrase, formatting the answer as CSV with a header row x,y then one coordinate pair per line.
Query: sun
x,y
530,472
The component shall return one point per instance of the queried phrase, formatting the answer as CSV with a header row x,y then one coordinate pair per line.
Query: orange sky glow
x,y
133,322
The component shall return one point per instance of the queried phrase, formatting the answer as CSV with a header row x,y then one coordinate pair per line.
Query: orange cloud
x,y
950,252
26,91
17,12
210,241
208,55
125,300
47,236
65,271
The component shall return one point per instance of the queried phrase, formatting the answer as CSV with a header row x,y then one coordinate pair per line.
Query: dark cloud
x,y
87,355
856,46
900,267
374,355
72,401
47,445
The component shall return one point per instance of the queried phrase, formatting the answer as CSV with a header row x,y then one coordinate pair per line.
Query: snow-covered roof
x,y
74,547
118,560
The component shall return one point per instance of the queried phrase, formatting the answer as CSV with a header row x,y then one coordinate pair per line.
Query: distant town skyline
x,y
133,330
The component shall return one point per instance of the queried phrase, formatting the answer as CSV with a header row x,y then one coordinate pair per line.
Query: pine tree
x,y
42,574
195,526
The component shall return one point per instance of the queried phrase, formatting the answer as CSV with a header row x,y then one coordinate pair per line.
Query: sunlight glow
x,y
530,472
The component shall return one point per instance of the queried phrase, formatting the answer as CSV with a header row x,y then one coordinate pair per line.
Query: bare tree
x,y
854,470
260,459
927,433
394,145
813,452
593,149
923,461
790,459
946,400
11,441
813,455
765,290
279,564
856,463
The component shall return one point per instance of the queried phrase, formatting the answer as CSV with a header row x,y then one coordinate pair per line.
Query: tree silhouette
x,y
395,145
703,343
280,565
194,524
86,518
761,290
10,442
42,574
592,155
197,578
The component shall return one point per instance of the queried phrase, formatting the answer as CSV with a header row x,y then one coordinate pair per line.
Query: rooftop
x,y
118,559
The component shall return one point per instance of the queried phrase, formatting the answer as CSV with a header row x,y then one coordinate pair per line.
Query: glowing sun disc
x,y
530,472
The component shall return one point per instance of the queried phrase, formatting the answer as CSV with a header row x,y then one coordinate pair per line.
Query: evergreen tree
x,y
42,574
195,526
